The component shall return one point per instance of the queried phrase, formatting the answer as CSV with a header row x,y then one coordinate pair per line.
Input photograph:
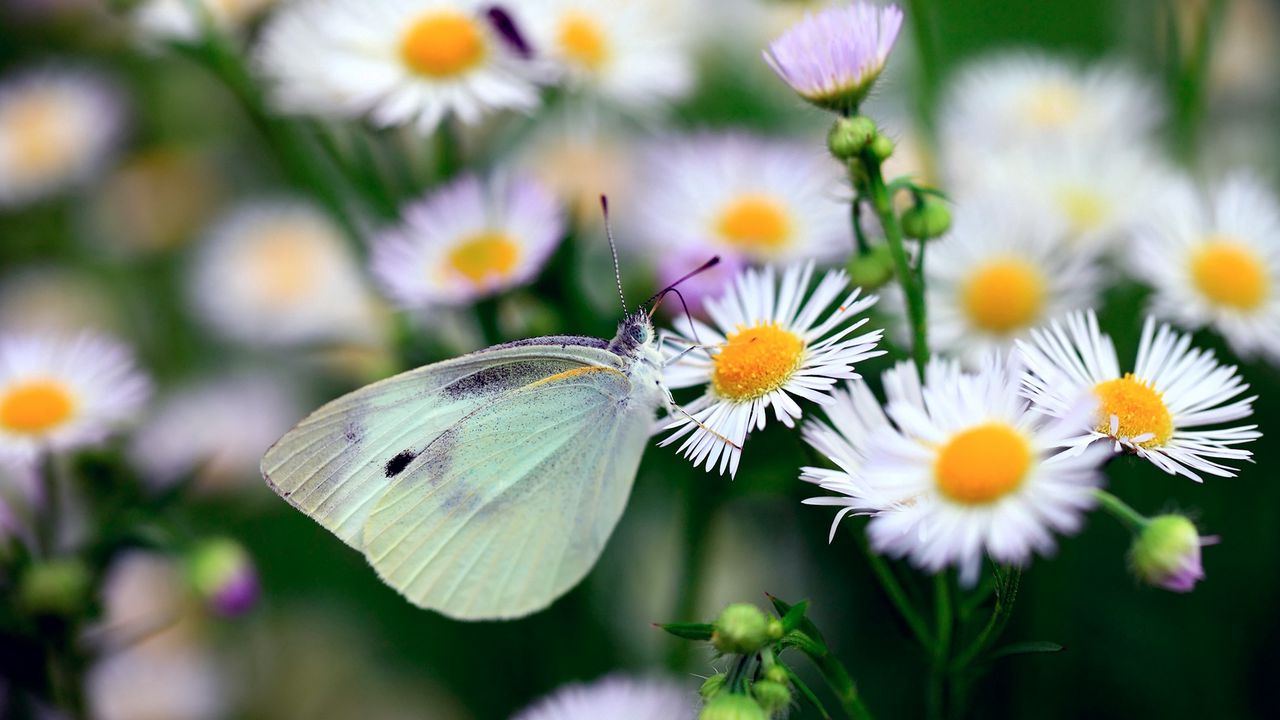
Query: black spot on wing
x,y
494,379
397,464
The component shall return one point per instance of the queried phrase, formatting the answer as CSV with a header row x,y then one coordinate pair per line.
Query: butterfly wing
x,y
511,507
335,463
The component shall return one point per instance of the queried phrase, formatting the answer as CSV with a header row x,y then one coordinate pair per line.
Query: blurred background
x,y
137,246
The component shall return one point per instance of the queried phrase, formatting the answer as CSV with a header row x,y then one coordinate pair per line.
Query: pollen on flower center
x,y
284,261
1083,208
1052,105
443,44
982,464
1004,296
35,125
1230,274
35,407
1139,409
755,361
582,41
486,255
755,221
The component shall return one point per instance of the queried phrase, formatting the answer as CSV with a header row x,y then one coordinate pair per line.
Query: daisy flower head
x,y
739,195
64,392
273,273
58,127
175,19
999,273
471,239
1215,261
832,58
633,52
958,467
615,696
398,62
1163,410
767,344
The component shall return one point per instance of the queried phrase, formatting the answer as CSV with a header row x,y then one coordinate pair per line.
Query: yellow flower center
x,y
583,42
283,260
1138,407
1004,296
37,134
755,221
35,407
1083,208
1053,105
1230,274
756,361
487,255
443,44
982,464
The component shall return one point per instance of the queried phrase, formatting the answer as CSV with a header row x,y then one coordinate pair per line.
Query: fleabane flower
x,y
767,344
632,52
999,273
1215,261
61,393
739,195
273,273
1162,410
58,127
957,468
615,696
470,239
398,62
832,58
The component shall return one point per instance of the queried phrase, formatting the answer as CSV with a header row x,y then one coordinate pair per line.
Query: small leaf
x,y
1024,648
792,618
689,631
804,624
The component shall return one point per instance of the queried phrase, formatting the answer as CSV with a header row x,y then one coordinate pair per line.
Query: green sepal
x,y
689,631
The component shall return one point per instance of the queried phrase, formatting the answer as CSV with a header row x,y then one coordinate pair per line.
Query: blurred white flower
x,y
399,62
281,273
175,19
219,427
579,159
58,127
60,393
470,239
616,696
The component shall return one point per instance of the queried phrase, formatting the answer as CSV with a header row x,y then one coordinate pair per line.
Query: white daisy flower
x,y
1158,410
767,344
1215,261
615,696
999,273
468,240
396,61
634,52
734,194
62,393
965,469
58,127
1017,100
281,273
174,19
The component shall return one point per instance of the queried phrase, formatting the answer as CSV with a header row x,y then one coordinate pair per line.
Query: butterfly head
x,y
634,333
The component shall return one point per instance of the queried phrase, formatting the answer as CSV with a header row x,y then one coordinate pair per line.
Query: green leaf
x,y
689,631
805,691
792,618
804,624
1024,648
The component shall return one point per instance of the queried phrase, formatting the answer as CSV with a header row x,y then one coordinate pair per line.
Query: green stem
x,y
861,246
1120,510
921,18
897,595
836,676
700,507
942,646
996,623
1190,79
908,277
447,151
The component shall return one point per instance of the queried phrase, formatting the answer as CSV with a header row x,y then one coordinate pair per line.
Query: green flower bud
x,y
777,674
926,220
712,686
727,706
881,147
873,269
772,696
741,629
1166,553
57,587
848,136
221,570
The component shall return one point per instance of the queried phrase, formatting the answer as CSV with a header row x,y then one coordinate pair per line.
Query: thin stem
x,y
911,283
1190,80
861,246
922,24
942,645
834,672
996,623
700,507
1120,510
897,595
448,153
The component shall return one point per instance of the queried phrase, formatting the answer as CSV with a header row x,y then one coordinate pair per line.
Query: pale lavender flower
x,y
616,696
832,58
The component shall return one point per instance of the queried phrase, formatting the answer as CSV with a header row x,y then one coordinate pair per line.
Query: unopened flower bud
x,y
926,220
772,696
777,674
223,573
56,587
712,686
873,269
741,629
1166,553
849,135
727,706
881,147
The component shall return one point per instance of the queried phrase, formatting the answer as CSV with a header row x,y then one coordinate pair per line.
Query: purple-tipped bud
x,y
1166,553
222,571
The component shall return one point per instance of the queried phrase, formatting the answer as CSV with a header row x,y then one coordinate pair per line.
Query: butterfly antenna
x,y
714,261
613,248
